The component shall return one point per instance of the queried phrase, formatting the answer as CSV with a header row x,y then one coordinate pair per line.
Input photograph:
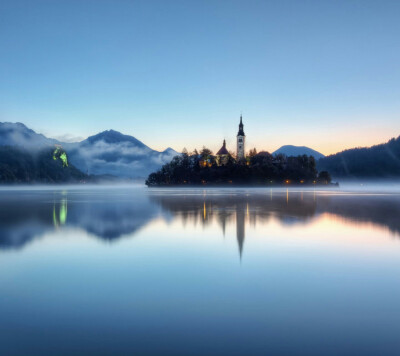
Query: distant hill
x,y
290,150
18,165
107,153
380,161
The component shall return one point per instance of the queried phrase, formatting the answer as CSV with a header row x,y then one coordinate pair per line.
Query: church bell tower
x,y
241,137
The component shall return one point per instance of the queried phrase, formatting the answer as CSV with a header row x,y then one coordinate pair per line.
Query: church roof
x,y
223,150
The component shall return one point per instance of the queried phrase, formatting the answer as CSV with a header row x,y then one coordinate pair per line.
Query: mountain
x,y
111,152
18,165
107,153
290,150
17,134
380,161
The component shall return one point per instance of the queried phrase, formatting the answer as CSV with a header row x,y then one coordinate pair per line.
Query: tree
x,y
252,152
205,153
324,177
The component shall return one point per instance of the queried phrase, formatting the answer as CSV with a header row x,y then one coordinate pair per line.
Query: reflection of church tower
x,y
240,223
241,137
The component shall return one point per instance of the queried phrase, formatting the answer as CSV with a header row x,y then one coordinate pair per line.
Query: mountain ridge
x,y
113,153
107,153
377,161
291,150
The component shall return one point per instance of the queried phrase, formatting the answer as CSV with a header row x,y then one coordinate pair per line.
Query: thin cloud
x,y
69,138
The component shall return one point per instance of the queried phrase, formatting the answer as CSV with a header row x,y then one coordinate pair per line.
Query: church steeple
x,y
240,152
241,132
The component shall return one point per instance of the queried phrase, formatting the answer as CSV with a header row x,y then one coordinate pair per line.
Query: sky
x,y
324,74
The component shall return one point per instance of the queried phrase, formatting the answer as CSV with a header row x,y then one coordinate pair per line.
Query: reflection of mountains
x,y
381,210
108,216
237,209
112,214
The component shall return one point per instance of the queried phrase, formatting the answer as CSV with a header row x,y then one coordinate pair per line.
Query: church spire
x,y
241,132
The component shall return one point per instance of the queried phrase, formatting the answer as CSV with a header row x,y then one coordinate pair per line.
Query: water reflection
x,y
114,213
60,210
25,216
144,272
288,207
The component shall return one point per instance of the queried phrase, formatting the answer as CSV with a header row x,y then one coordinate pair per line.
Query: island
x,y
256,169
227,168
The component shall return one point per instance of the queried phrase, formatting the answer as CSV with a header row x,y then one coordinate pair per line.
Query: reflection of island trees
x,y
287,207
238,209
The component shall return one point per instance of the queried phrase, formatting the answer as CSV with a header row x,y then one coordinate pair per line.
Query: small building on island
x,y
222,157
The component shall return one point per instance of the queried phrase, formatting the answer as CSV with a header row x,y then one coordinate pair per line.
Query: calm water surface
x,y
132,271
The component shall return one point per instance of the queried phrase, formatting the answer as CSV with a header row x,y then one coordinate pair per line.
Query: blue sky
x,y
325,74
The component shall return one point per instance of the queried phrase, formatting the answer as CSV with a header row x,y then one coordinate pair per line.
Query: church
x,y
223,154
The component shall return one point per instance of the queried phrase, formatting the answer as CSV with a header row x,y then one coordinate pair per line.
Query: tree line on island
x,y
199,168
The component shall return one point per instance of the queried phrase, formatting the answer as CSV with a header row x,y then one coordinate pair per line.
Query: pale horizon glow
x,y
176,74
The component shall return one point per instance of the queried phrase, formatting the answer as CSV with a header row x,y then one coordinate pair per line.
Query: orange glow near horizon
x,y
327,142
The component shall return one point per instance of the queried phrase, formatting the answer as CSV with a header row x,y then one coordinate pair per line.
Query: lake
x,y
136,271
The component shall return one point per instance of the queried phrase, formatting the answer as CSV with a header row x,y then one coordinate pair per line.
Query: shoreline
x,y
249,185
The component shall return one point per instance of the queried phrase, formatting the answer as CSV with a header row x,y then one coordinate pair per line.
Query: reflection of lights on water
x,y
61,217
63,212
247,209
54,215
204,211
287,196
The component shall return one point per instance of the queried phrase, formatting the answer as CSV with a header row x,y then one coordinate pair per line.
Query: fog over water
x,y
106,270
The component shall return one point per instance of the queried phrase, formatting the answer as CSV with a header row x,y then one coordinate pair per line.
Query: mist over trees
x,y
380,161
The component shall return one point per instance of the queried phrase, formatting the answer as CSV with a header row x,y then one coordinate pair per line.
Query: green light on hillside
x,y
64,159
59,153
